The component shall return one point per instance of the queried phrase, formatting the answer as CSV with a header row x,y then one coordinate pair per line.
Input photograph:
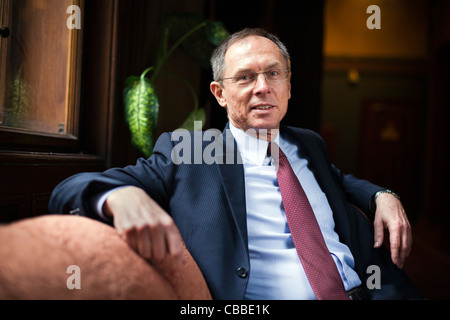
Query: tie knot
x,y
274,151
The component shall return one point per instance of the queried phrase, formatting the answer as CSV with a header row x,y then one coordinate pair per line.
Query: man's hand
x,y
391,215
145,226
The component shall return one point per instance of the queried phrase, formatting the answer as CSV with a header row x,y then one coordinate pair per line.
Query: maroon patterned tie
x,y
317,262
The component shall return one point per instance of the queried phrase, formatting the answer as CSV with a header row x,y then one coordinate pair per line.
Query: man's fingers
x,y
158,240
395,244
405,245
144,243
176,248
378,233
130,236
400,239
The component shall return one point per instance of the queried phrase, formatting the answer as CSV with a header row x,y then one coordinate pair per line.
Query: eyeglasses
x,y
247,78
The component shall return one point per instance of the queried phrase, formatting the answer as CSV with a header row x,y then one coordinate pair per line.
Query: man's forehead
x,y
252,47
252,43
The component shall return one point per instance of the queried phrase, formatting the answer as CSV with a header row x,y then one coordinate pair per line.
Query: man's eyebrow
x,y
275,64
241,71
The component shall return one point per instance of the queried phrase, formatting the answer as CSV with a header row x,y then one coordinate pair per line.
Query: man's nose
x,y
261,84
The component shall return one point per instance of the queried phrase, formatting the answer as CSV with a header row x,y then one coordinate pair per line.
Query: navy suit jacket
x,y
207,202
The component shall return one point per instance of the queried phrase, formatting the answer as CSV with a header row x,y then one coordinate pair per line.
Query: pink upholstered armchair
x,y
35,254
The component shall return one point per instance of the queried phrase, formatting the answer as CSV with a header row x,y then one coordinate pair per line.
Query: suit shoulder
x,y
305,133
308,138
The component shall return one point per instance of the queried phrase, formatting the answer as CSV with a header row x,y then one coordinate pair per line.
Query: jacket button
x,y
242,272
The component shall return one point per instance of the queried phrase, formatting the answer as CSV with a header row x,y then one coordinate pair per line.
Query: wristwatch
x,y
373,202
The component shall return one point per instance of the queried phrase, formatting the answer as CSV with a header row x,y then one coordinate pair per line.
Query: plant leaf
x,y
195,115
197,45
216,32
141,112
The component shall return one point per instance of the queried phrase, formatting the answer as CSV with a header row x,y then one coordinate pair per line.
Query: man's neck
x,y
262,134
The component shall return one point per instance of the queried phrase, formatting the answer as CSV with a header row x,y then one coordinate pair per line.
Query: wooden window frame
x,y
19,139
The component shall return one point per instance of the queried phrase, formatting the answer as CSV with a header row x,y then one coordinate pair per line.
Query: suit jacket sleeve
x,y
74,195
358,191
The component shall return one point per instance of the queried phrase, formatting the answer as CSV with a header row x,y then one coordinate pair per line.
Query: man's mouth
x,y
264,107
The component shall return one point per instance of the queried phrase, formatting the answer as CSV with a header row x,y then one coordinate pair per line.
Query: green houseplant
x,y
197,37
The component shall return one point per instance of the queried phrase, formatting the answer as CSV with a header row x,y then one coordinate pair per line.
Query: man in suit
x,y
221,191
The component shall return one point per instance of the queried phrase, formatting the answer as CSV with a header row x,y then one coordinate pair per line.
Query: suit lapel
x,y
231,170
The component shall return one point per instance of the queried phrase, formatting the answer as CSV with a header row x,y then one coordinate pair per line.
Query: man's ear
x,y
290,74
217,90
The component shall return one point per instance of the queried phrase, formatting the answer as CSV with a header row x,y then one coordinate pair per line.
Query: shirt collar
x,y
252,149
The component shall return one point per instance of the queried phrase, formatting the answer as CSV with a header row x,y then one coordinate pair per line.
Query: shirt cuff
x,y
99,200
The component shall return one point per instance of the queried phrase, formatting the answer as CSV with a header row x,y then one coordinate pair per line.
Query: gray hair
x,y
218,56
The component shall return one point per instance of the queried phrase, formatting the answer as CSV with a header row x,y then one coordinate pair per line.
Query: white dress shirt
x,y
275,268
